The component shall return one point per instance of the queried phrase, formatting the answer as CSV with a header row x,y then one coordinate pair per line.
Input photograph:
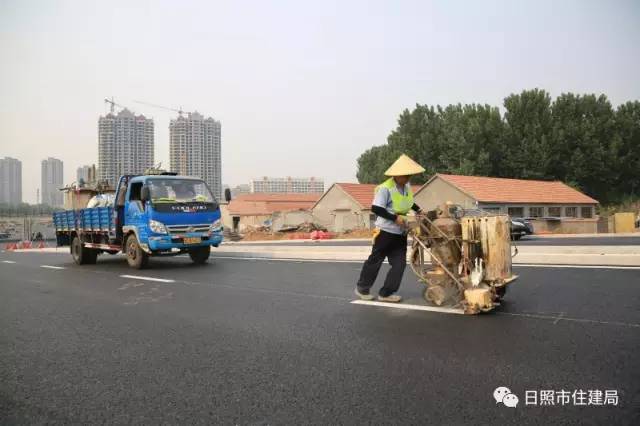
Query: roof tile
x,y
503,190
363,192
264,204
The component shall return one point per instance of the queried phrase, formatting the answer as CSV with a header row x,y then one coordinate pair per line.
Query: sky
x,y
301,88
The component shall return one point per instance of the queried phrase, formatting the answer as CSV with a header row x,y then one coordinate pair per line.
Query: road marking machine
x,y
470,258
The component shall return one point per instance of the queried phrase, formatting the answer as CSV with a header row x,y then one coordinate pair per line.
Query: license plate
x,y
192,240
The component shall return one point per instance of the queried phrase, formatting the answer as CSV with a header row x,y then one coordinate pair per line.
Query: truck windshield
x,y
179,191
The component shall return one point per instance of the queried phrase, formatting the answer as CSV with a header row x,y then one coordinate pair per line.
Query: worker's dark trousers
x,y
393,247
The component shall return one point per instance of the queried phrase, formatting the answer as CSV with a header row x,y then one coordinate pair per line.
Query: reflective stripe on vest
x,y
400,203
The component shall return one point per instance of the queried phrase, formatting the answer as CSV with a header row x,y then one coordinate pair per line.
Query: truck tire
x,y
199,255
82,255
136,257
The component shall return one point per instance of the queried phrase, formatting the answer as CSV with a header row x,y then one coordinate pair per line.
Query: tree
x,y
526,139
626,149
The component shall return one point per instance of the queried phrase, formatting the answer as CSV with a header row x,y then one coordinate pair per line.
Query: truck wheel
x,y
136,257
82,255
199,255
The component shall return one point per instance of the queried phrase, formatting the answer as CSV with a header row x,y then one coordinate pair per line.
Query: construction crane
x,y
180,111
113,104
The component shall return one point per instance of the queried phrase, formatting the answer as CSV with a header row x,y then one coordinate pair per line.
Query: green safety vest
x,y
400,203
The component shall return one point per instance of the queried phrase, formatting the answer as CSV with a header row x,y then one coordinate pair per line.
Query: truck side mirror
x,y
144,194
227,194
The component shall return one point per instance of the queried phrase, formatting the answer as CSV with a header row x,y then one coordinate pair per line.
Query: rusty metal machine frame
x,y
426,237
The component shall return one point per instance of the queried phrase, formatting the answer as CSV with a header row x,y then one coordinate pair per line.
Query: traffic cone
x,y
41,245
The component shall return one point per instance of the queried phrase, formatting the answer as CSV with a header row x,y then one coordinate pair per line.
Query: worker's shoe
x,y
392,298
363,296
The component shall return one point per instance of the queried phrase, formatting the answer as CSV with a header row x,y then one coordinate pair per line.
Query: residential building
x,y
347,206
10,180
243,188
552,206
254,210
51,181
86,174
308,185
125,145
195,149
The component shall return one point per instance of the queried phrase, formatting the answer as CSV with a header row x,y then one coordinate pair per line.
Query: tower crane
x,y
180,111
113,104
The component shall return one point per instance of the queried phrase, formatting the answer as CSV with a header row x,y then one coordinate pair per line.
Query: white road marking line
x,y
408,306
138,277
8,261
52,267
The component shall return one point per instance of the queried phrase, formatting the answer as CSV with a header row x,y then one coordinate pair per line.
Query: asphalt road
x,y
525,241
275,342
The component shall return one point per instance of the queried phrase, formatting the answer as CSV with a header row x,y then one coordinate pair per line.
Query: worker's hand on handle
x,y
400,220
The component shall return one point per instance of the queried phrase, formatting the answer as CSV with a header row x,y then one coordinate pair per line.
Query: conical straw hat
x,y
404,166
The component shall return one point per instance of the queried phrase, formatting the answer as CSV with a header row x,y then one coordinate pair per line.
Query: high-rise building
x,y
86,174
125,145
243,188
10,180
194,149
310,185
51,182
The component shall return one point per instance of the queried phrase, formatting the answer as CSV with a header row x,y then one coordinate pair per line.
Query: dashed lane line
x,y
52,267
139,277
8,261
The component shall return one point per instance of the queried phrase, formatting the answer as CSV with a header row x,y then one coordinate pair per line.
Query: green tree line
x,y
581,140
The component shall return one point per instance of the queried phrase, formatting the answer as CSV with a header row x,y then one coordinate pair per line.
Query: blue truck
x,y
160,214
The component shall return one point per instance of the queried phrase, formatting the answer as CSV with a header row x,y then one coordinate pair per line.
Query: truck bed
x,y
95,219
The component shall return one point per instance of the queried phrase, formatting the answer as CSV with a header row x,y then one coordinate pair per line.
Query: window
x,y
536,211
515,211
571,211
554,211
586,212
136,188
491,209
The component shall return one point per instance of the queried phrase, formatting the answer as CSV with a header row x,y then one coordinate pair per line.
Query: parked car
x,y
520,228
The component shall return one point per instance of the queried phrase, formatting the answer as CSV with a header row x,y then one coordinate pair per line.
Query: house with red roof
x,y
257,209
347,206
552,206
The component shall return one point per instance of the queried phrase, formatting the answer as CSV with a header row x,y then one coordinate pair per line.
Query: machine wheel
x,y
501,291
136,257
199,255
82,255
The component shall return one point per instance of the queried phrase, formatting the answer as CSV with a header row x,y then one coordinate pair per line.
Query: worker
x,y
184,192
392,201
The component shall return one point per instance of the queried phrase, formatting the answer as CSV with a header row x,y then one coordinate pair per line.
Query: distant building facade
x,y
10,180
86,174
52,173
195,149
308,185
125,145
243,188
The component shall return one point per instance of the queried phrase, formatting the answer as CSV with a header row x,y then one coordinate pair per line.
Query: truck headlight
x,y
216,226
157,227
